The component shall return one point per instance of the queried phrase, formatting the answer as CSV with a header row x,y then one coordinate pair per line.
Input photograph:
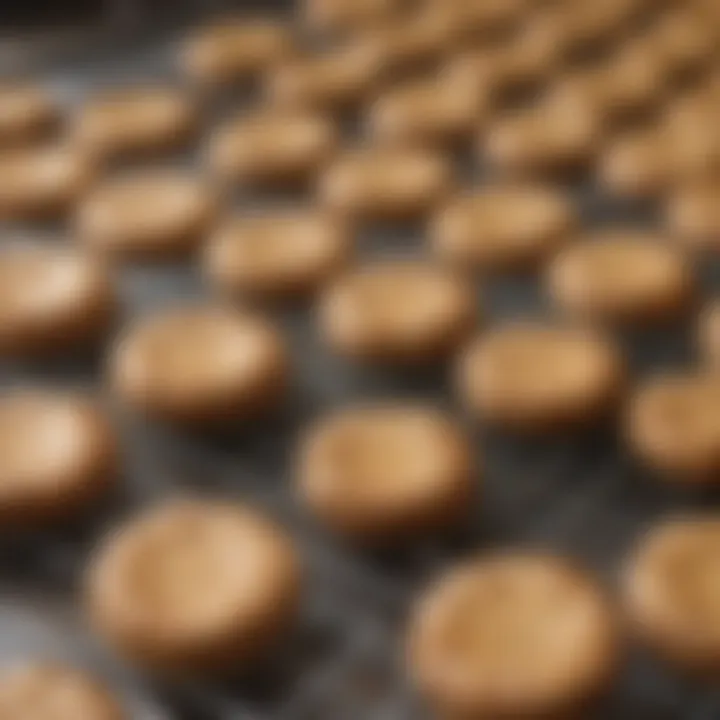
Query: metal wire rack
x,y
580,495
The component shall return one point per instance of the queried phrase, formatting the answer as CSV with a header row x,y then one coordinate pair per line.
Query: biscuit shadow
x,y
81,367
529,481
224,456
601,209
391,241
707,270
261,200
662,348
422,380
587,441
647,690
303,655
53,557
670,494
403,564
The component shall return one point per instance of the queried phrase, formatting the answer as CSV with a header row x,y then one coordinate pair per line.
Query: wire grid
x,y
578,495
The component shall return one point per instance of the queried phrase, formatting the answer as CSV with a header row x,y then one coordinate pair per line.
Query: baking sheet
x,y
578,495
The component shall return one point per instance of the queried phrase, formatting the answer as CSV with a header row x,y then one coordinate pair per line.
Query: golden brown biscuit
x,y
501,228
386,184
685,39
637,164
194,587
135,122
279,255
673,426
671,592
691,138
272,148
593,25
532,55
627,86
341,16
200,365
27,113
632,82
58,455
146,215
41,183
709,334
54,692
622,276
581,88
413,43
236,49
53,301
692,214
522,63
532,377
512,635
473,73
709,10
386,472
334,81
489,21
425,112
492,16
397,312
560,135
698,101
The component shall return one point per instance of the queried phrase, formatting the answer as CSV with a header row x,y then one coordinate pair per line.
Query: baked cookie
x,y
688,42
281,255
41,183
558,136
673,426
690,134
531,56
58,455
502,228
425,112
200,366
487,20
271,148
407,312
135,122
28,113
54,692
53,301
385,472
637,164
414,43
593,26
671,592
235,50
335,81
692,214
194,586
386,184
157,214
513,635
348,16
633,82
533,377
622,276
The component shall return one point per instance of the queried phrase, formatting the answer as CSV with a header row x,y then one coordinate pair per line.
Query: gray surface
x,y
578,495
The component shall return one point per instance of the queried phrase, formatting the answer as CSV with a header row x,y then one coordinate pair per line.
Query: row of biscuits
x,y
210,365
152,119
208,588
